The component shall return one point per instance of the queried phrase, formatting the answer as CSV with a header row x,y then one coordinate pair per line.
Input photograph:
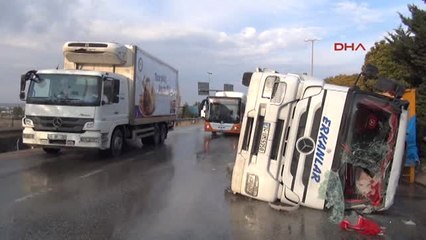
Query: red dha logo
x,y
346,46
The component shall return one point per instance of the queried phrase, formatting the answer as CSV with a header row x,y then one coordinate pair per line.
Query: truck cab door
x,y
113,108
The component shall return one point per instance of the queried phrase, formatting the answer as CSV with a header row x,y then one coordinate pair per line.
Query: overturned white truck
x,y
297,130
106,93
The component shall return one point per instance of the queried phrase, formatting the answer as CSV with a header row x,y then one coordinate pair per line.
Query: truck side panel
x,y
155,88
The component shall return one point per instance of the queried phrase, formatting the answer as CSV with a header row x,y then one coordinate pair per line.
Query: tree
x,y
408,46
189,111
380,55
342,80
402,56
17,112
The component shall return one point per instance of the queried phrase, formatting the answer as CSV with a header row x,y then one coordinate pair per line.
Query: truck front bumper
x,y
88,139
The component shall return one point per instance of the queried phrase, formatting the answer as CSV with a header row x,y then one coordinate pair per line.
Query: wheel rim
x,y
117,143
157,133
163,134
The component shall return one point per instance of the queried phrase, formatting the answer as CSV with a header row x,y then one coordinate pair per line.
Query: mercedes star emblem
x,y
305,145
57,122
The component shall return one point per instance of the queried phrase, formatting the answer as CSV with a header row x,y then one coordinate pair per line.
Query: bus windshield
x,y
65,89
224,110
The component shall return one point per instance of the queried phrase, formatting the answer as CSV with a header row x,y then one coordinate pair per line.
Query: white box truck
x,y
297,129
106,93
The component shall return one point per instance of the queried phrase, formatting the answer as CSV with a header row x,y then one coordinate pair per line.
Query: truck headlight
x,y
89,125
89,139
28,135
28,122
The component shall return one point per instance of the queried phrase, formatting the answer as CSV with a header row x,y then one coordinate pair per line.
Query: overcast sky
x,y
226,38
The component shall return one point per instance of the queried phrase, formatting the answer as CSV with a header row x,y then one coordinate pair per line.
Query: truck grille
x,y
59,124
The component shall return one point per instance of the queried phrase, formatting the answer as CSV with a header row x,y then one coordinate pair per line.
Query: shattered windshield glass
x,y
367,148
65,89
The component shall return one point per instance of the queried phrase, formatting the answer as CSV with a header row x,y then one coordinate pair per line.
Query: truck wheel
x,y
117,142
153,140
163,133
51,150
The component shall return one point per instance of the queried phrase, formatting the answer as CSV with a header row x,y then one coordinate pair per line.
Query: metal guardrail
x,y
192,120
10,137
10,132
6,132
187,119
15,134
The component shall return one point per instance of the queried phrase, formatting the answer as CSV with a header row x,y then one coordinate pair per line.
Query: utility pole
x,y
209,74
312,40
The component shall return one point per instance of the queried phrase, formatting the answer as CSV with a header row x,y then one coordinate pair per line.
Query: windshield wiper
x,y
73,99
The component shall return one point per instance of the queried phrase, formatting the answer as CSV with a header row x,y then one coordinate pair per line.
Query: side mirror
x,y
247,78
202,104
29,76
22,96
23,84
369,71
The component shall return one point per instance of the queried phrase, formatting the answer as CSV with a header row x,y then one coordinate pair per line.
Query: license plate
x,y
57,137
252,185
264,137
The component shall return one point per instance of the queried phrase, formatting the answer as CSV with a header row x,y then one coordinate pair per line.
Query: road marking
x,y
32,195
91,173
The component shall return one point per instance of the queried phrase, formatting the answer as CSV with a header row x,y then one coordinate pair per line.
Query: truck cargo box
x,y
153,84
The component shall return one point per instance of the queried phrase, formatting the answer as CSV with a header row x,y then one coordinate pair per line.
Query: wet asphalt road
x,y
176,191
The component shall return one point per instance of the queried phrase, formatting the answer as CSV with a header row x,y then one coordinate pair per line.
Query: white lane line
x,y
26,197
131,159
91,173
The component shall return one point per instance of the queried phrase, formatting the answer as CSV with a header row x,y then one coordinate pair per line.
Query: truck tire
x,y
117,142
116,145
153,140
163,133
51,150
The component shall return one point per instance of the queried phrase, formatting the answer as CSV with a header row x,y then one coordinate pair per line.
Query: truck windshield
x,y
65,89
367,147
226,110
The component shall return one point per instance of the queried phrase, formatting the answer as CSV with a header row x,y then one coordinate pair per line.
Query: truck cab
x,y
74,108
297,130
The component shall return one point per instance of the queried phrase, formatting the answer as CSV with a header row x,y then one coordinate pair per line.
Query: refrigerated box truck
x,y
297,130
105,94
